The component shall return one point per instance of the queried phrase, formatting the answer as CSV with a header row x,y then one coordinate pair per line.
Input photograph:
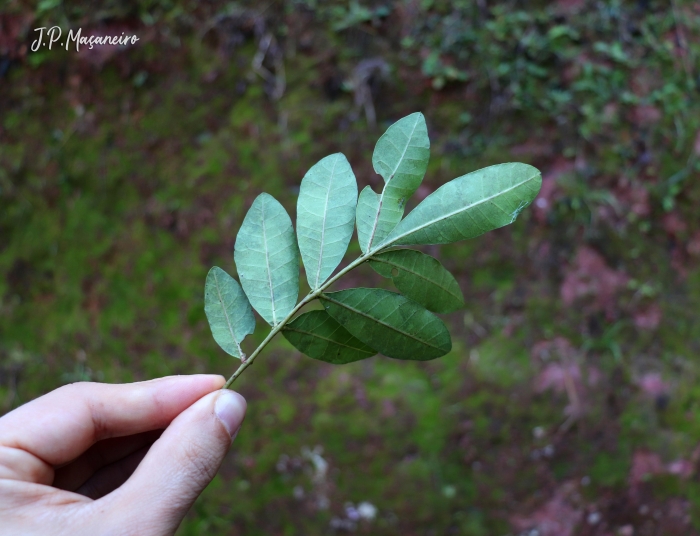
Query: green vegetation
x,y
573,378
358,322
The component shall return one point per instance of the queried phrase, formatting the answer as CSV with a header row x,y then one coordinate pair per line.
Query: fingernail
x,y
230,409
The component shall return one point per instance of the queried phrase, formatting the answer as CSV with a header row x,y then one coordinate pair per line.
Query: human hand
x,y
94,459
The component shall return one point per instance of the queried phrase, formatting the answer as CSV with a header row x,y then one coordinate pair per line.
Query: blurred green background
x,y
570,404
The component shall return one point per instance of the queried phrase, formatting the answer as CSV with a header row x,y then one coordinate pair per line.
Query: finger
x,y
182,462
17,464
61,425
103,453
110,477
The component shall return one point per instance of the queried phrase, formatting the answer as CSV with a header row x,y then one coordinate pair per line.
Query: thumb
x,y
181,463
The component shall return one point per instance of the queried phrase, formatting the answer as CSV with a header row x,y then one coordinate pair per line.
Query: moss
x,y
116,195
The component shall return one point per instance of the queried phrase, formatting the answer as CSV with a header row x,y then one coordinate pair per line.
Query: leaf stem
x,y
307,299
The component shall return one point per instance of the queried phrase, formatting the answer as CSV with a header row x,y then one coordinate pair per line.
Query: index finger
x,y
63,424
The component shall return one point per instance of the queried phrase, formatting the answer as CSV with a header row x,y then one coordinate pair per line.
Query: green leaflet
x,y
394,325
421,278
469,206
326,216
401,158
228,311
317,335
267,259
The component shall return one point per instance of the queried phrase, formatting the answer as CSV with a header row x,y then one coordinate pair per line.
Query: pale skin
x,y
99,459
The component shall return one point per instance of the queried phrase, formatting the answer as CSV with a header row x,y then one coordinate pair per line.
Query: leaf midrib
x,y
323,226
228,321
386,185
267,264
408,144
401,267
453,213
393,328
287,328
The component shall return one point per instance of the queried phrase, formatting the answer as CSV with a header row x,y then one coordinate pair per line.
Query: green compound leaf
x,y
469,206
421,278
267,259
326,216
228,311
394,325
401,158
317,335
